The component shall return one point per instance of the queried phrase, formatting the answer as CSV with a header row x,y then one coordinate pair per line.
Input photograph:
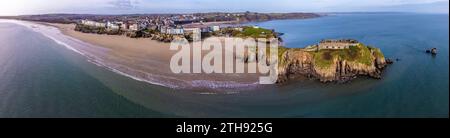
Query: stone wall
x,y
337,44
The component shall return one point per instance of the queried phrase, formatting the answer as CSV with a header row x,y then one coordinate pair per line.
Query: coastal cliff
x,y
329,65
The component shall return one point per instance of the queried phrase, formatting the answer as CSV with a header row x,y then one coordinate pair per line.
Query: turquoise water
x,y
40,78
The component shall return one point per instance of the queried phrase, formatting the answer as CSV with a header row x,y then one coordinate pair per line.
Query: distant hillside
x,y
252,17
206,17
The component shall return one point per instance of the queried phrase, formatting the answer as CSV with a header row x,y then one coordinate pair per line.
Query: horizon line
x,y
166,13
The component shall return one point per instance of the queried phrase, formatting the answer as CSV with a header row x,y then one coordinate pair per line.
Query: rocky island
x,y
331,61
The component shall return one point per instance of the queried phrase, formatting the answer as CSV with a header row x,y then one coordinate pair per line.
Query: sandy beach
x,y
143,57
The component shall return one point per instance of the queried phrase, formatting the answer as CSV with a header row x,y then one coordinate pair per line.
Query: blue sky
x,y
20,7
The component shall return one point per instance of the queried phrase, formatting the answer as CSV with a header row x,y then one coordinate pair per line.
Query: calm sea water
x,y
40,78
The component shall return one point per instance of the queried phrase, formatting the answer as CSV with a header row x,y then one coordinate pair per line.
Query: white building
x,y
238,29
215,28
171,31
113,26
134,27
93,23
176,31
124,26
163,29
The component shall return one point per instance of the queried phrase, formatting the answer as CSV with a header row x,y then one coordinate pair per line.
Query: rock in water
x,y
389,61
434,51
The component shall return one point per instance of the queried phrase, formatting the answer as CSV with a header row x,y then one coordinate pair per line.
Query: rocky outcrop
x,y
434,51
297,62
163,37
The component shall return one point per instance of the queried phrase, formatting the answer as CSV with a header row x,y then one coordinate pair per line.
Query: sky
x,y
24,7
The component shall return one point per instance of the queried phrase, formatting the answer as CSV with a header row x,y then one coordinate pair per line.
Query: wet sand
x,y
144,57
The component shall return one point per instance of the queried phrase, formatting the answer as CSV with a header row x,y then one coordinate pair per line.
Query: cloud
x,y
432,7
124,4
276,5
15,7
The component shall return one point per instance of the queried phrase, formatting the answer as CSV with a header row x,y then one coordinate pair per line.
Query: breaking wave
x,y
90,51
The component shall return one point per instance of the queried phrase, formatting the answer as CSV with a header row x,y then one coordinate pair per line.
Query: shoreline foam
x,y
89,50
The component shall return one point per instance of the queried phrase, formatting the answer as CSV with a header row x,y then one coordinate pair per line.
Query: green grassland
x,y
359,54
254,33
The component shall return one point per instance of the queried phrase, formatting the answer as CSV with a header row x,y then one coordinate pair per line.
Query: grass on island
x,y
359,54
254,32
377,52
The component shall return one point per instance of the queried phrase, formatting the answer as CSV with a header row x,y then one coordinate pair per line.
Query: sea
x,y
42,75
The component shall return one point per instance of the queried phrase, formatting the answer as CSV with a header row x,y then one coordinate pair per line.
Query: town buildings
x,y
171,30
93,23
180,25
113,25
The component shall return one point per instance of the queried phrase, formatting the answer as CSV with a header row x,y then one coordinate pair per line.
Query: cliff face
x,y
257,17
298,62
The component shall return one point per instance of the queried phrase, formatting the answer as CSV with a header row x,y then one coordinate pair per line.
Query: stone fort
x,y
337,44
